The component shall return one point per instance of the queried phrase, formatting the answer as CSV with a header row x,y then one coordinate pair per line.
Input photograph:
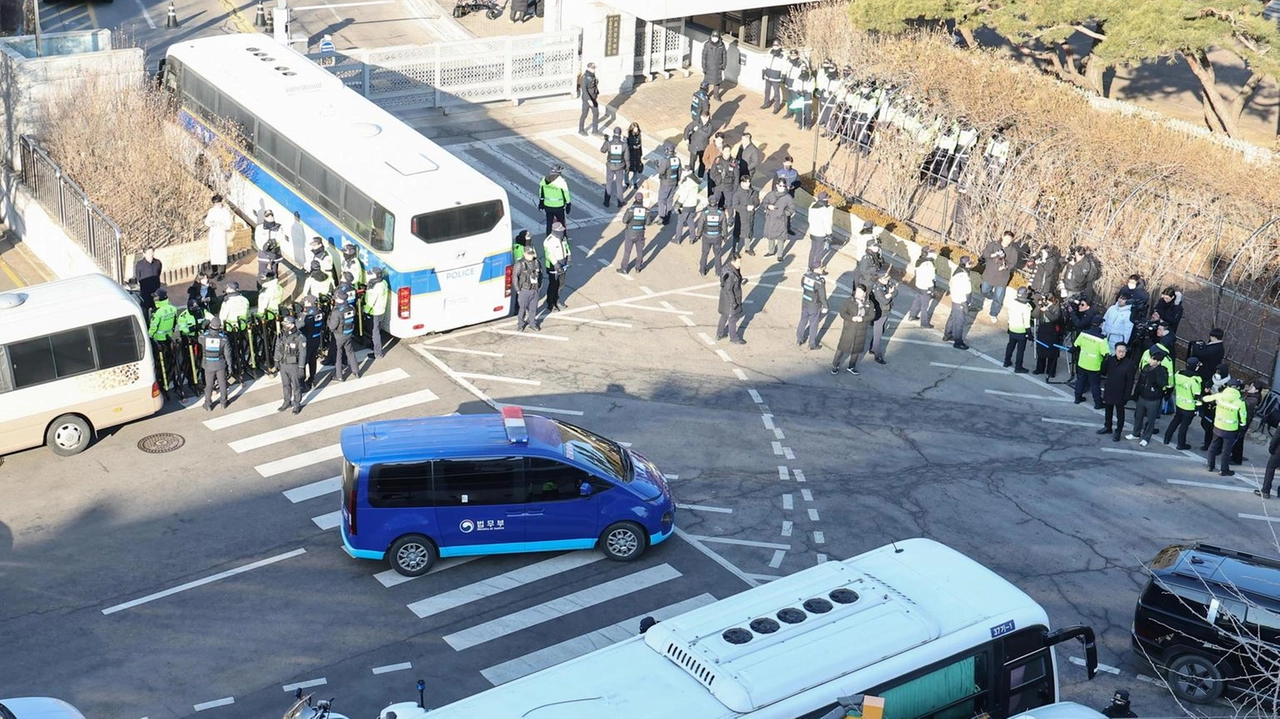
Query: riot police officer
x,y
342,323
813,305
290,355
214,345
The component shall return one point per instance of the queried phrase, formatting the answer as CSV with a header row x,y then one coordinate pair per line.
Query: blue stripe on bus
x,y
421,281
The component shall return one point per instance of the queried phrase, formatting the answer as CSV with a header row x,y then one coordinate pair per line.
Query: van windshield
x,y
603,454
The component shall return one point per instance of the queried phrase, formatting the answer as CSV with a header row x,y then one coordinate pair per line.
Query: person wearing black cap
x,y
214,346
700,104
342,324
637,218
1187,388
555,255
774,67
1147,393
589,91
959,289
376,297
553,196
821,221
615,151
290,354
714,56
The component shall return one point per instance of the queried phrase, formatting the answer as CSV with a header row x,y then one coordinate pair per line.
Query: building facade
x,y
631,40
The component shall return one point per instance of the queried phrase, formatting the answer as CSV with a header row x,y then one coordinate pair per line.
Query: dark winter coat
x,y
731,291
1121,374
635,153
775,220
857,315
1044,280
991,273
714,57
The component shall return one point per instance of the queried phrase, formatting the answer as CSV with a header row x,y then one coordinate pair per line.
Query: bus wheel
x,y
68,435
1196,678
412,555
623,542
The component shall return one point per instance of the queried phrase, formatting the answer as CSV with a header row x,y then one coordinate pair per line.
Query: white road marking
x,y
1209,485
305,685
1071,422
724,355
1023,395
318,394
755,396
788,502
548,410
813,514
819,538
687,322
535,334
633,306
313,490
821,557
776,562
203,581
482,353
782,473
1152,454
968,368
799,475
578,646
392,578
513,579
298,461
786,452
806,495
740,542
1259,517
388,668
225,701
706,338
704,508
330,421
767,419
777,448
737,372
586,321
786,527
561,606
1101,667
328,521
497,378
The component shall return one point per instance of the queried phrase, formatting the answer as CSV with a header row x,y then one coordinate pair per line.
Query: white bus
x,y
353,174
74,359
932,632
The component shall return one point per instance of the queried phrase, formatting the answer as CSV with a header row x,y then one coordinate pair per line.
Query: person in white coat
x,y
218,220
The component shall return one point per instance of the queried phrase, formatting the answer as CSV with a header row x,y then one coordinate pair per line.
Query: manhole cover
x,y
161,443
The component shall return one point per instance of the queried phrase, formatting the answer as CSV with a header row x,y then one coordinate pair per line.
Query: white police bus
x,y
353,174
932,632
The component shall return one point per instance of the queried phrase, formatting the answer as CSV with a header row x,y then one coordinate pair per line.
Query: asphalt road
x,y
780,465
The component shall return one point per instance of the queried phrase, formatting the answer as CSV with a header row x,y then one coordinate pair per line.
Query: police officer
x,y
234,314
1187,388
290,355
553,197
214,345
555,254
342,324
313,331
690,199
318,284
320,254
883,293
668,178
813,304
712,227
161,332
1229,416
615,151
637,218
742,203
772,73
376,298
528,280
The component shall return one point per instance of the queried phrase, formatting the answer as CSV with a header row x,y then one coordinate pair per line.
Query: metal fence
x,y
64,200
464,71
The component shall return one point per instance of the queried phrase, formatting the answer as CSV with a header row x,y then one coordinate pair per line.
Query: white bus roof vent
x,y
9,300
413,164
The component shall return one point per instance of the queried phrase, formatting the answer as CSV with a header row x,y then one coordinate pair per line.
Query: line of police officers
x,y
238,342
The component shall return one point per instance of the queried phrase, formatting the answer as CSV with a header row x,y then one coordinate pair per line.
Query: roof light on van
x,y
513,421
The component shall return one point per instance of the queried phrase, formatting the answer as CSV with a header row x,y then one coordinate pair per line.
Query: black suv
x,y
1210,618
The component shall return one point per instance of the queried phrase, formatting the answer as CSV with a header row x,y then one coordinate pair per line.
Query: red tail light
x,y
351,510
506,290
404,297
155,386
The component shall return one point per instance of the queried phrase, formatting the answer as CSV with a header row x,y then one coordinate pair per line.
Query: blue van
x,y
417,489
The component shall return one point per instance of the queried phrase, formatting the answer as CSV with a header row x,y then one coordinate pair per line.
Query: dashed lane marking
x,y
1209,485
704,508
388,668
499,378
1024,395
305,685
967,368
778,556
203,581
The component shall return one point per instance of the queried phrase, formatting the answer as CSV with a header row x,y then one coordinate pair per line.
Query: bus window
x,y
382,236
118,342
457,222
955,691
400,485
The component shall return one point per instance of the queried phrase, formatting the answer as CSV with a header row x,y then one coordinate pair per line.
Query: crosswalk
x,y
475,602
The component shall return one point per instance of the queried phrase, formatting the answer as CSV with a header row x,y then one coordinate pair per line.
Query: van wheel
x,y
623,542
68,435
1196,678
412,555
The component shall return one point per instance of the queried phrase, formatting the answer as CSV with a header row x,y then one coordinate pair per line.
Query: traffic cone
x,y
171,18
260,18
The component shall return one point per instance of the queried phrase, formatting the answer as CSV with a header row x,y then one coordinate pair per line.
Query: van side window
x,y
400,485
548,480
490,480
